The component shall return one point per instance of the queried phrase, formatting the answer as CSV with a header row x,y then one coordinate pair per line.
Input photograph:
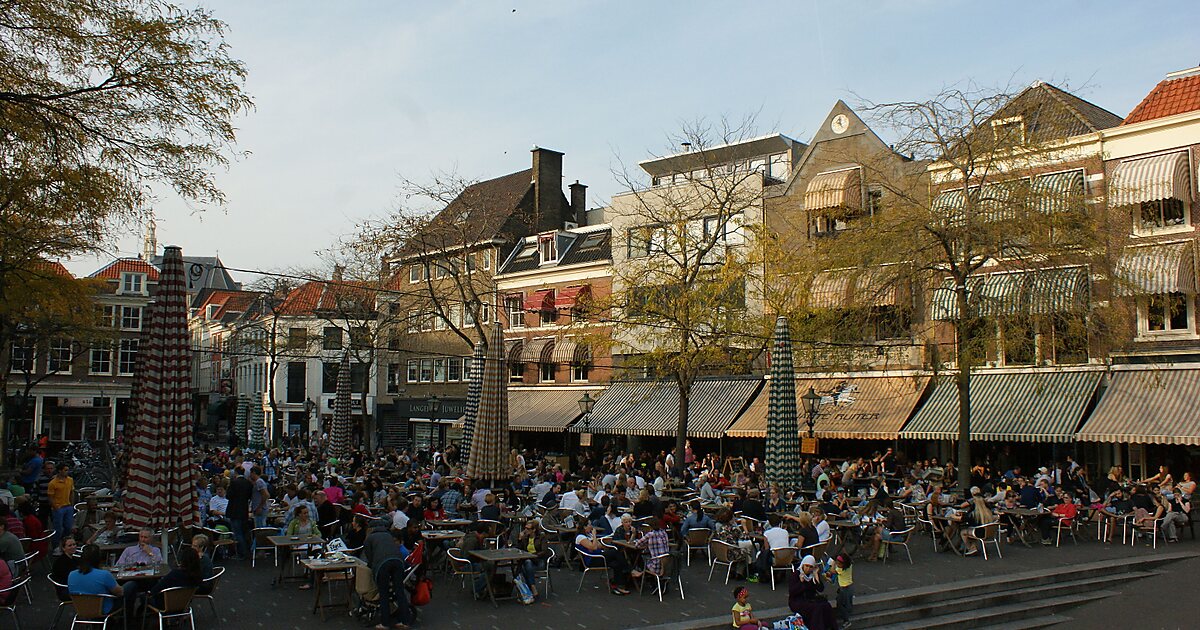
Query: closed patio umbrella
x,y
255,424
160,481
474,386
241,418
339,441
489,443
783,427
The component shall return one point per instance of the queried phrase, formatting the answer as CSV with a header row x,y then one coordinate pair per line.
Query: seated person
x,y
90,579
824,533
10,546
302,523
626,531
775,537
217,506
109,534
143,553
696,518
885,531
187,575
1064,510
490,509
589,546
201,544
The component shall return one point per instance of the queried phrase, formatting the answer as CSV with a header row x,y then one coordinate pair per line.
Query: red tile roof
x,y
229,301
114,269
319,295
55,268
1171,96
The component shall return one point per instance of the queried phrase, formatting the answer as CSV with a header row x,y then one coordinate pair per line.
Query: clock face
x,y
839,124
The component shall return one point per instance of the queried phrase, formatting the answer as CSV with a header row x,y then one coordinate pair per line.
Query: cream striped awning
x,y
541,409
853,408
1057,290
830,289
512,349
1155,269
651,408
538,351
1044,406
564,351
876,286
1151,179
835,189
1147,407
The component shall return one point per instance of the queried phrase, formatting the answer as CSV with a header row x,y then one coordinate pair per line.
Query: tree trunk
x,y
685,396
962,380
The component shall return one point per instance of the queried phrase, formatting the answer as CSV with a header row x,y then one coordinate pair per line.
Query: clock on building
x,y
840,123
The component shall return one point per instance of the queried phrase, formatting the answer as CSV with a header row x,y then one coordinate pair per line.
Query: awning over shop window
x,y
830,289
1044,406
1042,291
540,300
541,409
865,408
572,352
566,298
1155,406
1151,179
512,349
651,408
538,351
1057,192
1154,269
836,189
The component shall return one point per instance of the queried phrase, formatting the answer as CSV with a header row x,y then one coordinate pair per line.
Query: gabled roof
x,y
1177,94
212,273
231,303
55,268
1051,113
114,269
316,296
479,213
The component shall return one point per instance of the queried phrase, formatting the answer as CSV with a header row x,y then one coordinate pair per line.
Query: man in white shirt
x,y
569,500
707,494
776,538
218,504
540,490
399,520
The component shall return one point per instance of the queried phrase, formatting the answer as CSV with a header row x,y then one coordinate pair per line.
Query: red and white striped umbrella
x,y
489,445
160,486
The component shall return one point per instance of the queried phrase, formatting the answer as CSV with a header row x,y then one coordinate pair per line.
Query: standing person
x,y
843,570
31,469
383,556
259,497
237,512
42,495
62,510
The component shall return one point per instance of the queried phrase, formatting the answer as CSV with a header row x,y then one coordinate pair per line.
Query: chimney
x,y
547,189
338,271
579,202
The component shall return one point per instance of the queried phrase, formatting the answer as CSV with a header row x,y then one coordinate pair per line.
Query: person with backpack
x,y
382,553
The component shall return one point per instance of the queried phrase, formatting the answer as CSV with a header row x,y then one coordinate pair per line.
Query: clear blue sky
x,y
352,95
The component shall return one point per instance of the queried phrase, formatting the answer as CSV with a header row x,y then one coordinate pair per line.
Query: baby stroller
x,y
366,611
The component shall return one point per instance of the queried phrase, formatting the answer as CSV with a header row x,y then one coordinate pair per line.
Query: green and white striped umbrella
x,y
474,387
257,427
241,418
783,427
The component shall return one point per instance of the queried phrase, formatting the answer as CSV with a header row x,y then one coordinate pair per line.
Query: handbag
x,y
524,593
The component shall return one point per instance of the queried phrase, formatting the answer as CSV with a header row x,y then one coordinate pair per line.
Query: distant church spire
x,y
149,241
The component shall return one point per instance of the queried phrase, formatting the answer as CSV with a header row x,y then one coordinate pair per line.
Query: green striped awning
x,y
1043,406
651,408
1057,290
1058,192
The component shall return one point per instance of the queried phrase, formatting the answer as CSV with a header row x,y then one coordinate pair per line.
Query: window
x,y
297,338
547,248
779,167
516,311
1162,213
21,357
332,338
454,369
579,372
101,361
329,372
393,378
107,316
548,316
547,372
427,322
133,283
439,370
59,357
440,321
1166,313
127,356
874,200
516,372
485,260
426,370
416,273
890,322
360,337
131,318
297,375
414,374
441,270
1069,339
359,381
393,342
1009,131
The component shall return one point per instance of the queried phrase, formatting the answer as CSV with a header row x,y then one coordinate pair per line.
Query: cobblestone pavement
x,y
246,598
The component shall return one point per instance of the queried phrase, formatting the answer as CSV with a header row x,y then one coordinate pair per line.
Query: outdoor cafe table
x,y
632,551
509,557
321,568
1025,521
947,533
288,544
451,523
141,574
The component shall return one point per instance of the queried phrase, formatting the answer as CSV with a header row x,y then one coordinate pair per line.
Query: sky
x,y
353,96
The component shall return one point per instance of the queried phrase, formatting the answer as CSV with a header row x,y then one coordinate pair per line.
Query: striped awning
x,y
565,299
512,349
836,189
542,409
1044,406
538,351
862,408
830,289
1056,290
540,300
651,408
1057,192
1155,269
1155,406
564,351
875,286
949,205
1151,179
1059,290
1000,201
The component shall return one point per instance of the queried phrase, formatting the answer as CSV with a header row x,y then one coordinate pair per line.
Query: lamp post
x,y
812,406
309,408
435,405
585,406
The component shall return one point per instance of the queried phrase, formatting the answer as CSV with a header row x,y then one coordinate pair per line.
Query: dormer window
x,y
547,248
133,283
1009,131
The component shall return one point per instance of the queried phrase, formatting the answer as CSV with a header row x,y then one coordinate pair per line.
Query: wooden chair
x,y
984,534
89,610
10,594
816,550
177,604
262,543
667,573
209,588
721,552
782,561
64,600
697,540
905,535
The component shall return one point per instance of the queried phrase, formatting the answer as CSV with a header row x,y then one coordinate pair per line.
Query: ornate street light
x,y
435,405
585,406
812,406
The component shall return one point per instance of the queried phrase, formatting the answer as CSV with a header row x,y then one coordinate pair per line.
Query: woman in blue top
x,y
89,579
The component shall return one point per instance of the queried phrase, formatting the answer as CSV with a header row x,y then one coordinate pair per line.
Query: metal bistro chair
x,y
668,572
494,532
722,553
697,540
89,611
1069,525
262,543
1151,527
544,574
219,539
592,562
10,593
905,534
984,534
177,604
782,561
64,600
461,566
933,528
209,587
24,569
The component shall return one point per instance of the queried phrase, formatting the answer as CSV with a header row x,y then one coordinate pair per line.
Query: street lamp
x,y
812,406
585,405
435,405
